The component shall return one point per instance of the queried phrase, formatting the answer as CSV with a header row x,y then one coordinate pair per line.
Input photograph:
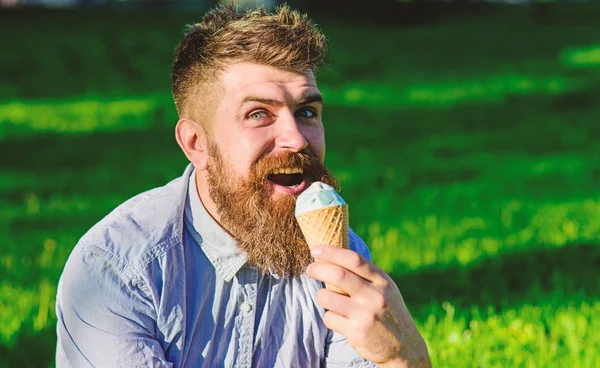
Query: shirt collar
x,y
220,247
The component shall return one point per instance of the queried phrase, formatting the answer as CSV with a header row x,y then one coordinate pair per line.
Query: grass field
x,y
468,151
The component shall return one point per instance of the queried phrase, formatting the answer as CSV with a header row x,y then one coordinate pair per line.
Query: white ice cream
x,y
318,195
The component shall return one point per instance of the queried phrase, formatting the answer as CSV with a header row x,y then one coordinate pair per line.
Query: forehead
x,y
241,79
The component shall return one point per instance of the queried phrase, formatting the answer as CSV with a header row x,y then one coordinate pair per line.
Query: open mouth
x,y
287,176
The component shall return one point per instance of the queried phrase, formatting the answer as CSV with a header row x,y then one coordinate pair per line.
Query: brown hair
x,y
284,39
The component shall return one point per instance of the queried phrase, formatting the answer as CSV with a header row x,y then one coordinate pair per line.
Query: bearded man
x,y
212,269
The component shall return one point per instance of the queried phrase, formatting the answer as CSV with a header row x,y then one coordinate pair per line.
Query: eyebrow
x,y
313,97
310,98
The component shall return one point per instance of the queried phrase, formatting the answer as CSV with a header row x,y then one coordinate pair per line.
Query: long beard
x,y
265,228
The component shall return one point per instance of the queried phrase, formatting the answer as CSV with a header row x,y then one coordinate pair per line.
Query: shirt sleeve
x,y
338,353
104,320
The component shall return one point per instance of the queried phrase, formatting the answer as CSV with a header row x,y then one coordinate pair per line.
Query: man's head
x,y
250,122
285,39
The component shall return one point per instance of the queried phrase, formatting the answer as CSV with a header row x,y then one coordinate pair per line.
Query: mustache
x,y
313,168
304,159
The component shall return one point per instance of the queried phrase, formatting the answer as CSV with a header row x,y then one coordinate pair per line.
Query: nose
x,y
290,136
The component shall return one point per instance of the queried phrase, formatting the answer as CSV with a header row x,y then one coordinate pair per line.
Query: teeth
x,y
287,170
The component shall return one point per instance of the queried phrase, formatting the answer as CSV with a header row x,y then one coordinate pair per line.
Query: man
x,y
212,269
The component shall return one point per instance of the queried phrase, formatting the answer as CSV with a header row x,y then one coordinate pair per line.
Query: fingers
x,y
349,260
336,322
338,276
335,302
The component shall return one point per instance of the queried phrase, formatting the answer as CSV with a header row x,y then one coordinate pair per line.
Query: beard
x,y
265,228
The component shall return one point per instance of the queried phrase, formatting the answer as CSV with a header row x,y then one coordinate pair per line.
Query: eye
x,y
307,113
257,115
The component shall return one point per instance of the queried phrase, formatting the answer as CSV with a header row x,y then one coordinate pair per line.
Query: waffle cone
x,y
329,226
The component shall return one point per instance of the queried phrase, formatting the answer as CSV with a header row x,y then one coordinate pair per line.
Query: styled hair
x,y
284,39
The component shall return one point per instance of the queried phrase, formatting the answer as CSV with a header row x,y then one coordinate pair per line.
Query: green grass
x,y
467,150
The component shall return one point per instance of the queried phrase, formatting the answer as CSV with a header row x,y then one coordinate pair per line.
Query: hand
x,y
373,316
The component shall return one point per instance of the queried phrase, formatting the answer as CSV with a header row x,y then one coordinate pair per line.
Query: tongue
x,y
281,179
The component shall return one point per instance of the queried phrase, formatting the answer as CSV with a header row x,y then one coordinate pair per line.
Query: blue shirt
x,y
159,283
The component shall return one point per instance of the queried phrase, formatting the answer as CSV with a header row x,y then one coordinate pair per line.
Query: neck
x,y
207,202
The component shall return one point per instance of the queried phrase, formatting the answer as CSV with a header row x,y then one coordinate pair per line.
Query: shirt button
x,y
246,307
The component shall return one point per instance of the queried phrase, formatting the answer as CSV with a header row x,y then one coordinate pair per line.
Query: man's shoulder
x,y
140,229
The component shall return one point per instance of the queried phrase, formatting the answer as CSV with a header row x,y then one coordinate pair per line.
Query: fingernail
x,y
316,250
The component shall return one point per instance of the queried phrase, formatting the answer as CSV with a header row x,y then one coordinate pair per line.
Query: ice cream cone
x,y
327,225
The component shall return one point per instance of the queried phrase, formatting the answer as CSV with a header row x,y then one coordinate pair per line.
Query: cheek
x,y
235,153
316,141
251,146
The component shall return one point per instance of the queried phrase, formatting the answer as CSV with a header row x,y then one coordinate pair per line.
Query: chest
x,y
250,321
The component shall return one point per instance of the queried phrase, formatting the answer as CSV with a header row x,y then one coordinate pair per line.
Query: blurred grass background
x,y
467,148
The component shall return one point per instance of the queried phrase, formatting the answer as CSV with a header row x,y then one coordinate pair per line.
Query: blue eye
x,y
307,113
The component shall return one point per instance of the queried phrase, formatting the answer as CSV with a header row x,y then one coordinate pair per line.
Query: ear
x,y
191,137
